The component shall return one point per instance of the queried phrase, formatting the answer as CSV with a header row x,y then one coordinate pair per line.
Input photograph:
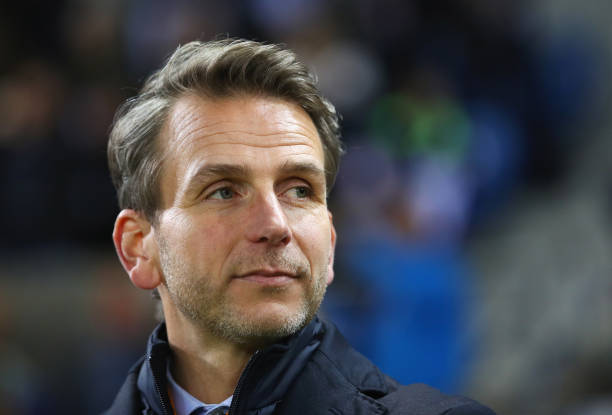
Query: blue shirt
x,y
186,404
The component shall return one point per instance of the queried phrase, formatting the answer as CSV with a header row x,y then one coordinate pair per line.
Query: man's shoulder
x,y
421,399
356,370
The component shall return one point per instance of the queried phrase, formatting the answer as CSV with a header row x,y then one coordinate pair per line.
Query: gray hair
x,y
216,69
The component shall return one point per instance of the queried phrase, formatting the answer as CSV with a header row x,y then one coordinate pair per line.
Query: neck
x,y
205,366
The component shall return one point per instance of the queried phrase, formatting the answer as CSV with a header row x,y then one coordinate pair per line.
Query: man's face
x,y
245,238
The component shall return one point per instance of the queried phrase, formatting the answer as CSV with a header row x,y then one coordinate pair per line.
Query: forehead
x,y
246,120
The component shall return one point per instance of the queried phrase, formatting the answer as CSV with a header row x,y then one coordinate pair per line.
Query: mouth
x,y
268,277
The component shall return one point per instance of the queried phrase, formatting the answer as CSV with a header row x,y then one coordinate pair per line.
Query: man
x,y
222,166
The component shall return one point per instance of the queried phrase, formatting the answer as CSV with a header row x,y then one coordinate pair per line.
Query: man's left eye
x,y
301,192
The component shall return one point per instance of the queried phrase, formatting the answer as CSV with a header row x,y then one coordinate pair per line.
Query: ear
x,y
330,264
137,249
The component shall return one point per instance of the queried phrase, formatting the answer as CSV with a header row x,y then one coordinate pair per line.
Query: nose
x,y
267,222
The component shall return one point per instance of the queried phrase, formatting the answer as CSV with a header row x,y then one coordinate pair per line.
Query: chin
x,y
264,326
280,321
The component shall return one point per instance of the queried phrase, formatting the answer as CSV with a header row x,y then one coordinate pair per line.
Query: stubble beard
x,y
203,303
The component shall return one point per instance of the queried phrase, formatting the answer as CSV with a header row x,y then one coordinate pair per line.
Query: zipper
x,y
156,378
241,381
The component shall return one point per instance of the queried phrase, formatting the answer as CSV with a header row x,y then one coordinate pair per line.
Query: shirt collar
x,y
184,402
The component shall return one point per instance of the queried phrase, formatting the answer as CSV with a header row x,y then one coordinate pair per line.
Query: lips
x,y
268,277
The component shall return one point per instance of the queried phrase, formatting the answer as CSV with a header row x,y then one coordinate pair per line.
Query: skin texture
x,y
243,248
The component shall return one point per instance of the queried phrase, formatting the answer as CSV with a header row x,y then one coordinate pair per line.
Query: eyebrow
x,y
211,172
302,168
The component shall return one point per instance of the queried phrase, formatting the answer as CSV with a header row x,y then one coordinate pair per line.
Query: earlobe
x,y
330,264
134,242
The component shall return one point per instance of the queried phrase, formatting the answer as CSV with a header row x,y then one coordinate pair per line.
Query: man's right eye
x,y
224,193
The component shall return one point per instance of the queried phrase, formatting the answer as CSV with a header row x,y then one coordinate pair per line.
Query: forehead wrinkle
x,y
239,134
287,142
181,130
187,112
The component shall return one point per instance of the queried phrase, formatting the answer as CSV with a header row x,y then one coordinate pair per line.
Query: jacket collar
x,y
264,382
152,382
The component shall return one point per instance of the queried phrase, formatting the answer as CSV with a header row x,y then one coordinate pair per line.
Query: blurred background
x,y
473,206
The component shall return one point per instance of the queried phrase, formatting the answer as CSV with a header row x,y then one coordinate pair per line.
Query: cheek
x,y
200,240
313,234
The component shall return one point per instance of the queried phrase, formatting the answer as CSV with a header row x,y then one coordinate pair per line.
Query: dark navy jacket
x,y
313,372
